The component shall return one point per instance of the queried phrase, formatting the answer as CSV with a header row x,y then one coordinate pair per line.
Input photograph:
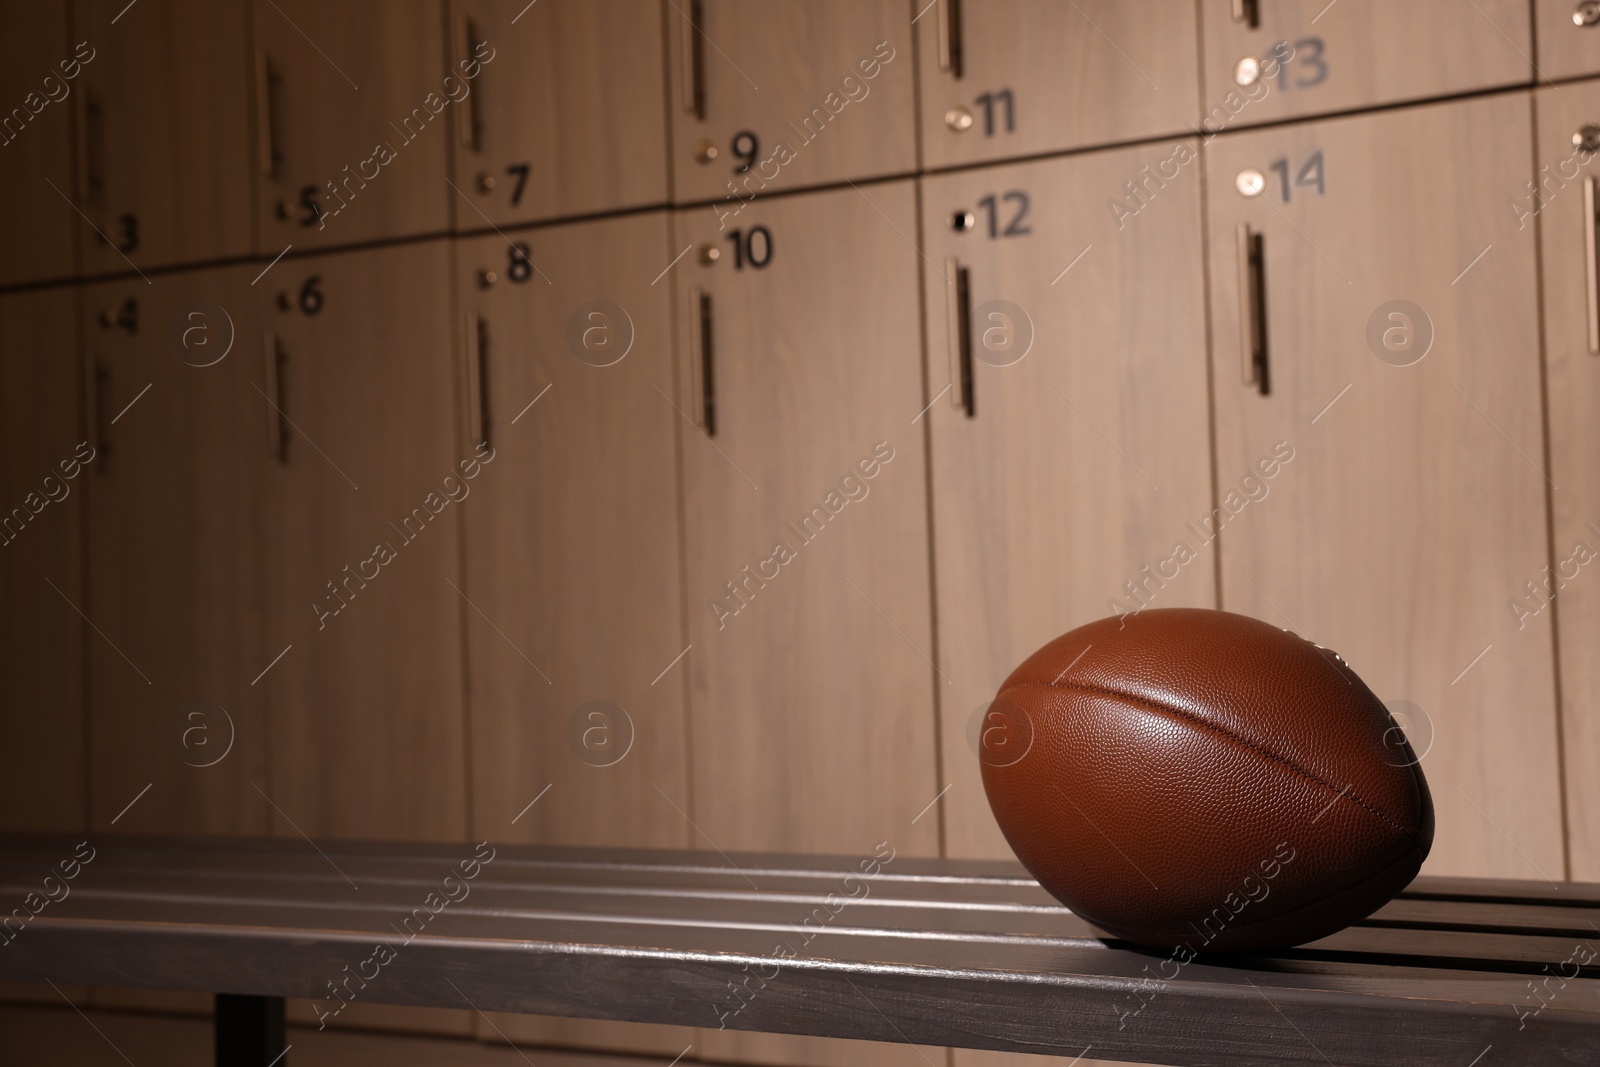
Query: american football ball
x,y
1185,777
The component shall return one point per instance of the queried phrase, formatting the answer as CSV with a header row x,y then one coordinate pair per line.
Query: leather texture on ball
x,y
1184,777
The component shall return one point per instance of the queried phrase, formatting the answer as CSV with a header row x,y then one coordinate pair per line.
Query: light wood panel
x,y
1087,453
814,362
367,728
353,113
165,175
1355,54
1567,48
813,718
45,484
824,87
1414,504
572,556
175,554
36,139
1568,593
1005,78
572,122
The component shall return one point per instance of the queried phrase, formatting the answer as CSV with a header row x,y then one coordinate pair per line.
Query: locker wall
x,y
665,423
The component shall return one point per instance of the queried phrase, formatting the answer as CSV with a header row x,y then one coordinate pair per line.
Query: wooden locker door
x,y
1287,58
787,94
36,131
1086,453
353,120
178,730
1006,78
1568,35
811,680
45,482
573,589
367,737
1401,368
1567,229
572,123
165,176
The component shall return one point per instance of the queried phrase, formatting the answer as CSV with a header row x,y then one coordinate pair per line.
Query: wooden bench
x,y
1454,973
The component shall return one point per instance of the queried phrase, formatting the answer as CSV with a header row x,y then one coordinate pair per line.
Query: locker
x,y
40,71
573,123
785,95
354,107
165,176
573,590
1070,445
1568,36
1268,60
1566,223
175,554
45,482
1007,78
806,540
1374,313
357,361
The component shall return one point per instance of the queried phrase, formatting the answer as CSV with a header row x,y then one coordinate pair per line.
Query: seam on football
x,y
1214,728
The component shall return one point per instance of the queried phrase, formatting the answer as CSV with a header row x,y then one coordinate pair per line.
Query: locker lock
x,y
963,220
285,209
1250,182
1247,71
1587,138
709,254
485,181
705,151
487,278
1586,13
958,119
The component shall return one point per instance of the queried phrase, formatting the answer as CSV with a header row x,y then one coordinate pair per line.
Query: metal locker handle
x,y
277,431
1252,309
1247,12
94,148
701,312
265,142
94,397
1591,270
692,59
478,339
467,43
949,29
958,311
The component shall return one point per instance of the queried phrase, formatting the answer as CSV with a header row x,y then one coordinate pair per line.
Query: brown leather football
x,y
1185,777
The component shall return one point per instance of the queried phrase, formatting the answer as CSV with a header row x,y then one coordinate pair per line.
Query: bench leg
x,y
249,1031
